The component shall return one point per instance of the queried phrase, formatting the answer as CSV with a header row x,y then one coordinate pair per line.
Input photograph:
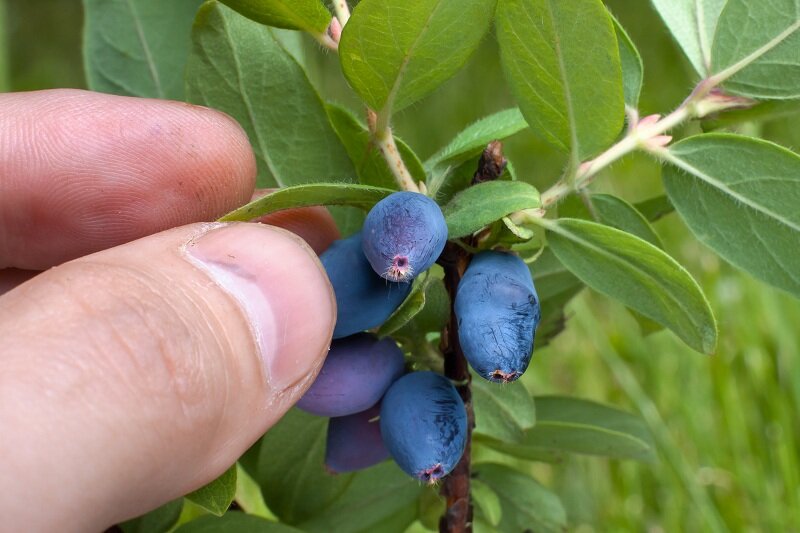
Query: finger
x,y
82,171
315,225
135,375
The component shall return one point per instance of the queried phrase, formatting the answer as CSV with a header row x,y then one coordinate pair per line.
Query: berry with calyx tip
x,y
404,234
424,425
497,309
356,373
363,299
354,442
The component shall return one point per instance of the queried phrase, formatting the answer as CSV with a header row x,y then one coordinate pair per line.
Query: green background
x,y
726,426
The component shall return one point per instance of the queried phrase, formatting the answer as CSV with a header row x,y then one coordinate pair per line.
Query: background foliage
x,y
725,427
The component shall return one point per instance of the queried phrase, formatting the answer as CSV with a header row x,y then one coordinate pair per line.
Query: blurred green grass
x,y
726,426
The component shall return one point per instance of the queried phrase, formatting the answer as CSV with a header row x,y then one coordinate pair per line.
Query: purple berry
x,y
354,442
497,311
404,234
356,373
363,299
424,425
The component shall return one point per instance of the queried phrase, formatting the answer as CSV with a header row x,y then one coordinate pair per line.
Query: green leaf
x,y
430,508
367,159
137,47
526,505
217,496
234,522
692,23
238,67
740,197
572,425
363,196
433,316
394,53
638,274
488,501
555,286
502,412
478,206
380,498
655,208
291,469
299,490
757,48
632,66
307,15
472,140
411,306
562,62
617,213
159,520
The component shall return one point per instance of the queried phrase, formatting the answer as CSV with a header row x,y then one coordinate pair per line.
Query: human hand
x,y
136,374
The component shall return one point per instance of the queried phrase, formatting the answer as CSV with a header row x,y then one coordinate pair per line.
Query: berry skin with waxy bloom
x,y
354,442
364,300
403,235
424,425
356,373
497,309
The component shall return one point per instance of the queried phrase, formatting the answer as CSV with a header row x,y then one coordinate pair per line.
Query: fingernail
x,y
282,289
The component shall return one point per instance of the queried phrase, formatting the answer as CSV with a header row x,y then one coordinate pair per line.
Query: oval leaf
x,y
478,206
556,286
502,412
757,48
487,501
370,165
617,213
238,67
472,140
526,504
411,306
308,15
394,53
632,66
637,274
573,425
692,23
363,196
158,520
562,62
137,47
741,197
217,496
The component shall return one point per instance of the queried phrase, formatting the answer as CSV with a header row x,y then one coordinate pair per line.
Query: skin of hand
x,y
155,348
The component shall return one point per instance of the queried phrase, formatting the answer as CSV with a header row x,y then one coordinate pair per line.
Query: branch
x,y
456,486
385,141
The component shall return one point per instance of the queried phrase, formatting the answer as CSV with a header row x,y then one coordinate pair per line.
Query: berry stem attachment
x,y
456,486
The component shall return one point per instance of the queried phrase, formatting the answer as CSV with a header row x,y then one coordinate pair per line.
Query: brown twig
x,y
455,489
454,260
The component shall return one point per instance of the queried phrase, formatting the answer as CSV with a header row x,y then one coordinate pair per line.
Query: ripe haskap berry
x,y
404,234
363,299
354,442
356,373
497,311
424,425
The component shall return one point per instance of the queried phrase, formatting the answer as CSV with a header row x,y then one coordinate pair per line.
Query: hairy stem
x,y
456,486
385,141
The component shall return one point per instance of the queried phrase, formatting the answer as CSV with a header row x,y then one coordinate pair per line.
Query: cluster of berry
x,y
422,419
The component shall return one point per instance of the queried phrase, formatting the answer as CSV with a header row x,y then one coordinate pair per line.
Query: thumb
x,y
135,375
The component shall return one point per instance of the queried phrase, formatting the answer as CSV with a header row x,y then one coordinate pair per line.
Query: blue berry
x,y
424,425
354,442
404,234
363,299
497,311
356,373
